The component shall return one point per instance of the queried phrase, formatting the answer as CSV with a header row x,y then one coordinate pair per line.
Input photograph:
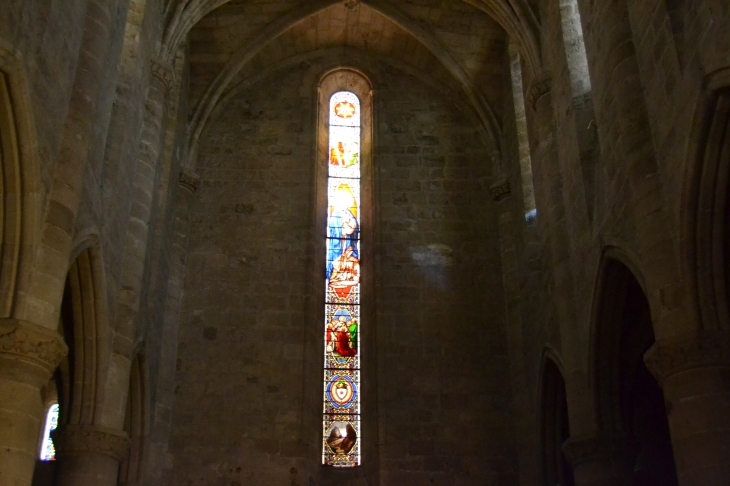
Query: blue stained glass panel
x,y
341,436
48,451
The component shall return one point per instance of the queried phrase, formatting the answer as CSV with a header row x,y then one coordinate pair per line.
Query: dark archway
x,y
630,402
135,423
554,427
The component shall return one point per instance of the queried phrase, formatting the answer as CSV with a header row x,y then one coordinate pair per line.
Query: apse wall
x,y
249,389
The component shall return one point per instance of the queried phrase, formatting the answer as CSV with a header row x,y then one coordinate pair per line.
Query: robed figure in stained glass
x,y
342,335
343,229
341,426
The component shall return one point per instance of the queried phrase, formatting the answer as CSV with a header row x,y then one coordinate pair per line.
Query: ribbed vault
x,y
454,45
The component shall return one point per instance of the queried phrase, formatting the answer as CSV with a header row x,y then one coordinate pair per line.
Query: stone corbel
x,y
500,190
580,450
90,439
189,181
164,73
31,343
539,87
688,351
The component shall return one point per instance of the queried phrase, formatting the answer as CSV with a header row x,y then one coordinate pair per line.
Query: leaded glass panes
x,y
341,425
48,452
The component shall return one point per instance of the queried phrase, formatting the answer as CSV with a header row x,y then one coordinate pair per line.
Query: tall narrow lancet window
x,y
48,452
341,424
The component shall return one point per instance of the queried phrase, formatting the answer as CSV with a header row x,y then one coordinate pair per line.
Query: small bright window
x,y
48,452
523,144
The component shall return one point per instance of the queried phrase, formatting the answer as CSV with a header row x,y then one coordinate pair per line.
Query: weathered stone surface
x,y
166,151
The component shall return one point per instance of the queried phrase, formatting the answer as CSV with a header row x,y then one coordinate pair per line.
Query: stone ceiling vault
x,y
462,39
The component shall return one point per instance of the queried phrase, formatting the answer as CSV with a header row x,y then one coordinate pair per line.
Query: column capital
x,y
163,72
189,180
582,449
700,349
90,439
24,341
500,190
540,86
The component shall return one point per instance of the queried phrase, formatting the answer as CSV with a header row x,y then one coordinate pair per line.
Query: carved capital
x,y
189,180
500,190
540,86
579,450
688,351
163,72
90,439
22,340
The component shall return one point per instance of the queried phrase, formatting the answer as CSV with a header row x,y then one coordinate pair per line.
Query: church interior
x,y
365,242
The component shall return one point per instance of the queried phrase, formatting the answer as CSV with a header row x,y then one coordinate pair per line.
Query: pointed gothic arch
x,y
705,238
19,181
553,422
629,404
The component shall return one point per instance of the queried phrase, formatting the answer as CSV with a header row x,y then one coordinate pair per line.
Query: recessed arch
x,y
553,422
629,404
19,182
705,236
136,421
85,328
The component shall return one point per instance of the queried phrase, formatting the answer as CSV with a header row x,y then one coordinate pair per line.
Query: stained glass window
x,y
48,452
342,434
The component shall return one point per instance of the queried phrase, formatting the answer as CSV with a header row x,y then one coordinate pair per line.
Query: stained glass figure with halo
x,y
341,432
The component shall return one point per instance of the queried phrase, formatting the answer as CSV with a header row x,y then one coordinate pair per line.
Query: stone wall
x,y
444,406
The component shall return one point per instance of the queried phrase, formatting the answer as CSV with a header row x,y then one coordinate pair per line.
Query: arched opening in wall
x,y
135,424
78,379
523,143
582,99
630,402
554,427
10,202
707,226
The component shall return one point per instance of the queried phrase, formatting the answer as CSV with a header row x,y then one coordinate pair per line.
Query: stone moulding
x,y
90,439
163,72
688,351
500,190
32,342
189,181
539,87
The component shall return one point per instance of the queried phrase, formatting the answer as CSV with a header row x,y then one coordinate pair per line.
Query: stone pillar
x,y
135,251
88,455
600,461
28,356
694,372
160,433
